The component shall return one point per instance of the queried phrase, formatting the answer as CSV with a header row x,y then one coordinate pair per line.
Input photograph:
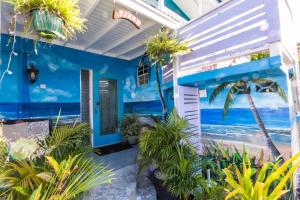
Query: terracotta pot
x,y
47,25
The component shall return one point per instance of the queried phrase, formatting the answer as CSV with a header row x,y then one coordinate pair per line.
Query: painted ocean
x,y
12,111
239,128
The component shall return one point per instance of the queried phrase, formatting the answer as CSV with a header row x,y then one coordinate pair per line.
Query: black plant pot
x,y
298,193
161,191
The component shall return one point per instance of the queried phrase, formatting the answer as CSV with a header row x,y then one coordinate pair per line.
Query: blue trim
x,y
172,6
237,70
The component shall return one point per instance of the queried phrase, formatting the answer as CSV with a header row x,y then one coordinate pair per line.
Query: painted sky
x,y
261,100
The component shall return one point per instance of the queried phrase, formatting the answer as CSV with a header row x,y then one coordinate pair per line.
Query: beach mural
x,y
256,115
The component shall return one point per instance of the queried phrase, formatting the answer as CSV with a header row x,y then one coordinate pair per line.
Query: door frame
x,y
97,140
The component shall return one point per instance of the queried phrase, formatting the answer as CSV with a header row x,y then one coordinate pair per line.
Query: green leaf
x,y
23,191
36,195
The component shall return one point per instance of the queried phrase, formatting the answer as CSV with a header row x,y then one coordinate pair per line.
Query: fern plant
x,y
67,10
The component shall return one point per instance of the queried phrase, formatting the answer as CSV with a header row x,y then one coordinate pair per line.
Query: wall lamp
x,y
32,73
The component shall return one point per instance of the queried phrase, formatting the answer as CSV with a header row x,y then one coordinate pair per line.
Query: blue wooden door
x,y
108,109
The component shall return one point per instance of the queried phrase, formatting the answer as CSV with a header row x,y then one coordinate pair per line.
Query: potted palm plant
x,y
130,128
50,19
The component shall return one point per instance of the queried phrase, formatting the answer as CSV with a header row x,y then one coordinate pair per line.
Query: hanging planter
x,y
49,19
47,25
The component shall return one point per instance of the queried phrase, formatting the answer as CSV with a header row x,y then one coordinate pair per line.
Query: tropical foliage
x,y
161,49
68,140
243,87
260,55
167,147
268,183
60,169
67,10
130,126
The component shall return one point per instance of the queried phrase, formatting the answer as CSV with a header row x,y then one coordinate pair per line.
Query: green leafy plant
x,y
252,184
158,144
161,49
65,10
63,171
260,55
56,181
19,178
71,177
166,146
130,126
68,140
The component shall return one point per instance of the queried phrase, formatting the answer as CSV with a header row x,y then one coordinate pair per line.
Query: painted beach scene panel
x,y
252,116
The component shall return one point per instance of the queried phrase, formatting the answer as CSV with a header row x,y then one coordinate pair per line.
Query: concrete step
x,y
123,186
145,188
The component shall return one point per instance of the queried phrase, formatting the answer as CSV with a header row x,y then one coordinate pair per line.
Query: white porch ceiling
x,y
105,36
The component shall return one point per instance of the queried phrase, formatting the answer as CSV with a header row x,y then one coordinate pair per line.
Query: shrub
x,y
63,170
269,182
130,126
167,147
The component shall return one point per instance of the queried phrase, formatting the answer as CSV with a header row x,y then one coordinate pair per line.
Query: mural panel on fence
x,y
240,127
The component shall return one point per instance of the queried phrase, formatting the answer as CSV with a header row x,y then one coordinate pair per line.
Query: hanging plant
x,y
49,19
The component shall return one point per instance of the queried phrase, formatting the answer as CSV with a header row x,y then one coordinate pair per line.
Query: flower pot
x,y
297,193
47,25
132,140
161,190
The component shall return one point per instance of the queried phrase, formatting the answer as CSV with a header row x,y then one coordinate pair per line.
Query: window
x,y
143,72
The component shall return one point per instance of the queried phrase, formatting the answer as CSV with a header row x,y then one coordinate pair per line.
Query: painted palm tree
x,y
242,87
160,49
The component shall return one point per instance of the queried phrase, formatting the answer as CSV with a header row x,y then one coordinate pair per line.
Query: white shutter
x,y
189,108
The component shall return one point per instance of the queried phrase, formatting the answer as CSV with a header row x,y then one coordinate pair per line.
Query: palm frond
x,y
262,81
66,140
218,90
229,100
281,93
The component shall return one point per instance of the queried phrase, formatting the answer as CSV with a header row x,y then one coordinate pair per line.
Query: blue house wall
x,y
58,83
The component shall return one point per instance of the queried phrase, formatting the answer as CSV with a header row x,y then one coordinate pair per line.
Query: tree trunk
x,y
162,101
274,150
